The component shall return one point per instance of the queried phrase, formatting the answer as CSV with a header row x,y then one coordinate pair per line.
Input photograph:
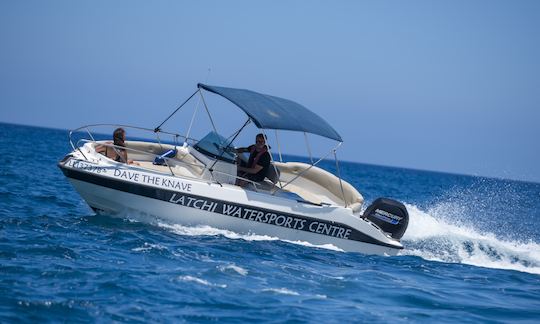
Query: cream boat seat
x,y
319,183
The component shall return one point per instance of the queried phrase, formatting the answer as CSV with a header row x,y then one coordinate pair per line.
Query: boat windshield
x,y
216,146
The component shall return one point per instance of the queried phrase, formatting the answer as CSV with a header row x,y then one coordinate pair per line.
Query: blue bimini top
x,y
269,112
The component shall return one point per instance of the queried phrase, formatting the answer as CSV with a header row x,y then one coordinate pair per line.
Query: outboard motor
x,y
390,215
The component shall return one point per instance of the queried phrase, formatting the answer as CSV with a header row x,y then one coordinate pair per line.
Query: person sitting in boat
x,y
116,151
258,163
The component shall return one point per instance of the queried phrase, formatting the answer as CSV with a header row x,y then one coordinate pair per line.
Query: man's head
x,y
260,140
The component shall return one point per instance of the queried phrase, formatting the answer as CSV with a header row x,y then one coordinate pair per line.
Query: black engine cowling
x,y
390,215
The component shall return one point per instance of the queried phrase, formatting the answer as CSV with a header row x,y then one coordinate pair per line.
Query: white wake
x,y
432,237
211,231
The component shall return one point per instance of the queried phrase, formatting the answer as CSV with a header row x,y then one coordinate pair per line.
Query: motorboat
x,y
195,182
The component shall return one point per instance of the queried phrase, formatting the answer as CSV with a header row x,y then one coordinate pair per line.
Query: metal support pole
x,y
278,147
229,144
157,129
271,157
193,117
309,149
305,170
90,134
339,177
208,112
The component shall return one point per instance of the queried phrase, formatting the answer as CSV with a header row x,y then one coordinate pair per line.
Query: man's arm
x,y
252,170
243,149
263,161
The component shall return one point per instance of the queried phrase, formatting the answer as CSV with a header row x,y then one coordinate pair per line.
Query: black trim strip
x,y
263,215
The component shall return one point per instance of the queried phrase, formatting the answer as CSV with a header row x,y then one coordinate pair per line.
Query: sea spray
x,y
433,238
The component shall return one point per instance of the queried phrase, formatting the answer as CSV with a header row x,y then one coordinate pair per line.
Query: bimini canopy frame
x,y
269,112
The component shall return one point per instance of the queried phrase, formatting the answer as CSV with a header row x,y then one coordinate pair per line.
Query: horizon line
x,y
341,160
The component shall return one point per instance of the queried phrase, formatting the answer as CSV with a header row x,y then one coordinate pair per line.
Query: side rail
x,y
156,135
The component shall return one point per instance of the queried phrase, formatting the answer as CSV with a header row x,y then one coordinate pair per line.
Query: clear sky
x,y
438,85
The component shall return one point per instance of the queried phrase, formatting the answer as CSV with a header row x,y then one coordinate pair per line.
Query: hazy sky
x,y
439,85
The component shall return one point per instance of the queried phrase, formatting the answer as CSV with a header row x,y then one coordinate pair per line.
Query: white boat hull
x,y
119,188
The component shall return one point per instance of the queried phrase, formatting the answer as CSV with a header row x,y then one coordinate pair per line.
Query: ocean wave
x,y
200,281
321,246
148,247
241,271
282,291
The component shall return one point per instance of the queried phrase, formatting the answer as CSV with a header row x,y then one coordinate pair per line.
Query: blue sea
x,y
472,254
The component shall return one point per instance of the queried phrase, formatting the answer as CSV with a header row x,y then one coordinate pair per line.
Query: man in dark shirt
x,y
258,162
